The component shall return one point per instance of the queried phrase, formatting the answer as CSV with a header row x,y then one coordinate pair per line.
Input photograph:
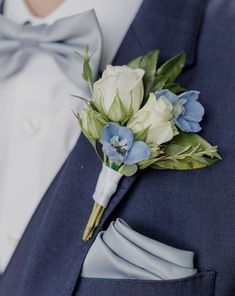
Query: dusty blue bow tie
x,y
60,40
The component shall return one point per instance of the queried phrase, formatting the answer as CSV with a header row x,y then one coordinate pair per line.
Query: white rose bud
x,y
156,116
119,93
91,123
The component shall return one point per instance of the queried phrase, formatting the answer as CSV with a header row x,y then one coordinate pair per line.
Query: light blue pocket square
x,y
122,253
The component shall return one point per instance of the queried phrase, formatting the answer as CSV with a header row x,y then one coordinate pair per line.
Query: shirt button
x,y
32,126
13,239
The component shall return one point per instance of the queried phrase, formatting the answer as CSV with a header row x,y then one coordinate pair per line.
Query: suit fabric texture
x,y
190,210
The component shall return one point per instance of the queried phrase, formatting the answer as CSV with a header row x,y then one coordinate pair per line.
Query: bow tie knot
x,y
29,43
32,36
29,31
60,40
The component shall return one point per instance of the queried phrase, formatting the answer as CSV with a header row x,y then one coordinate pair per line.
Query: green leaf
x,y
78,118
173,67
149,64
113,165
159,83
174,87
187,151
91,123
93,106
87,135
177,150
87,72
99,106
82,99
136,63
148,162
128,170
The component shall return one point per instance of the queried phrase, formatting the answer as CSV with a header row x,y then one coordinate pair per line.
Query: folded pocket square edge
x,y
122,253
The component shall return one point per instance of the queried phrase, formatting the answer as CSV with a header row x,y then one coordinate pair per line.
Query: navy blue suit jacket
x,y
192,210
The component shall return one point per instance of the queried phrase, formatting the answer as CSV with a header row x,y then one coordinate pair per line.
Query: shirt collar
x,y
18,11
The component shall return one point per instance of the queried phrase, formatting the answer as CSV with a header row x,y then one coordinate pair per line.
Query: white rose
x,y
156,115
119,93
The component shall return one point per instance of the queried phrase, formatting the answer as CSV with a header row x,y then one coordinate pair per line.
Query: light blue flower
x,y
119,145
187,111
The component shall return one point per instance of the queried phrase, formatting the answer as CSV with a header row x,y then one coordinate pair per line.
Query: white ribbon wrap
x,y
106,185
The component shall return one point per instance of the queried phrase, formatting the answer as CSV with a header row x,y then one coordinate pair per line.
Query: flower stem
x,y
94,221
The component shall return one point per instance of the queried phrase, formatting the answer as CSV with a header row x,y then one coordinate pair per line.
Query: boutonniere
x,y
139,117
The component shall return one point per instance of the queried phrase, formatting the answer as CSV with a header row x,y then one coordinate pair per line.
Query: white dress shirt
x,y
37,128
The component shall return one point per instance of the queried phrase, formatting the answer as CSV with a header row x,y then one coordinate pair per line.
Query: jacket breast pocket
x,y
201,284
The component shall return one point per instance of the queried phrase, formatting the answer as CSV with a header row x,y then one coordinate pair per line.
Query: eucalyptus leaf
x,y
173,67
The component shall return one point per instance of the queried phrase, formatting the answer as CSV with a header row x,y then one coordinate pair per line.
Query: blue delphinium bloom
x,y
119,145
187,111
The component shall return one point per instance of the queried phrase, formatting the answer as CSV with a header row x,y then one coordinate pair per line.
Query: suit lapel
x,y
170,26
1,6
58,245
